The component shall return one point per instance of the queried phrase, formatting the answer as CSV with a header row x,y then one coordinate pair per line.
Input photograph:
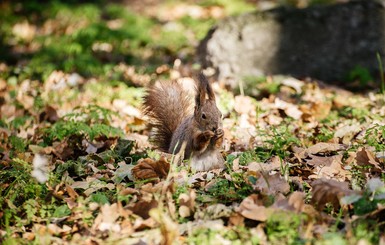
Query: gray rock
x,y
322,42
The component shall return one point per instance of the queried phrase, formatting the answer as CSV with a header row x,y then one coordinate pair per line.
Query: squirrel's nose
x,y
214,128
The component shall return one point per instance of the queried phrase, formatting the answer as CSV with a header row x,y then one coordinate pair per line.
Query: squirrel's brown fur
x,y
169,109
168,96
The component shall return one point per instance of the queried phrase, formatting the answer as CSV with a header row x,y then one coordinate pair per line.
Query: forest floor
x,y
304,160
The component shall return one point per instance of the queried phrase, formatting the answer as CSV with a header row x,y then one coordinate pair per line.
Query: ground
x,y
304,160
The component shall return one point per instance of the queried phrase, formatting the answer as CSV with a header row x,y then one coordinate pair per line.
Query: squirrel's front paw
x,y
218,139
219,133
202,140
207,135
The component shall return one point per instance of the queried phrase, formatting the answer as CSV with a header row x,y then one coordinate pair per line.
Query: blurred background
x,y
93,37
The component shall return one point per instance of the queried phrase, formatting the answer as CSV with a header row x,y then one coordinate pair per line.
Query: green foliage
x,y
18,144
258,86
361,74
99,197
111,90
23,198
368,201
280,141
236,236
358,113
89,122
229,191
375,136
368,230
330,238
20,186
324,134
231,7
64,129
250,156
61,211
74,168
18,122
282,228
123,149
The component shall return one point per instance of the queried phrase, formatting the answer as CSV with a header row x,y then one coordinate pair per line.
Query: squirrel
x,y
174,122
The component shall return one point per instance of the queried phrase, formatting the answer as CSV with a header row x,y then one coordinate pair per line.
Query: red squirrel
x,y
169,109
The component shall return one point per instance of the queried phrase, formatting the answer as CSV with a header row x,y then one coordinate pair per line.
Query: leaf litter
x,y
307,152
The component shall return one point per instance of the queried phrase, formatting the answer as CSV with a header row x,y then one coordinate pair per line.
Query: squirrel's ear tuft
x,y
204,88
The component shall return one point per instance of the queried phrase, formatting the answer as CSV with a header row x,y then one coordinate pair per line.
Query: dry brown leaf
x,y
71,192
320,148
272,184
318,110
244,105
323,161
273,164
128,191
295,202
63,150
30,236
168,227
274,119
49,114
217,211
141,224
143,207
150,169
329,191
290,109
347,132
251,208
187,203
365,157
106,219
236,219
334,170
293,83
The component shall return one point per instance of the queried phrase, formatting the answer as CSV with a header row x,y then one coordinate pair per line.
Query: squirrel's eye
x,y
203,116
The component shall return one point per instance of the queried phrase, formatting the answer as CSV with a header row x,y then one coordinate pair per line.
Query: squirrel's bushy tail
x,y
166,105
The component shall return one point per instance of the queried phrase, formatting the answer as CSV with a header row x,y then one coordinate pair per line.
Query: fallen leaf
x,y
63,150
49,114
143,207
290,109
217,211
250,208
150,169
317,110
122,172
365,157
244,105
273,164
236,219
71,192
347,132
187,203
375,184
295,202
333,170
323,160
320,148
106,219
293,83
272,184
329,191
168,227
